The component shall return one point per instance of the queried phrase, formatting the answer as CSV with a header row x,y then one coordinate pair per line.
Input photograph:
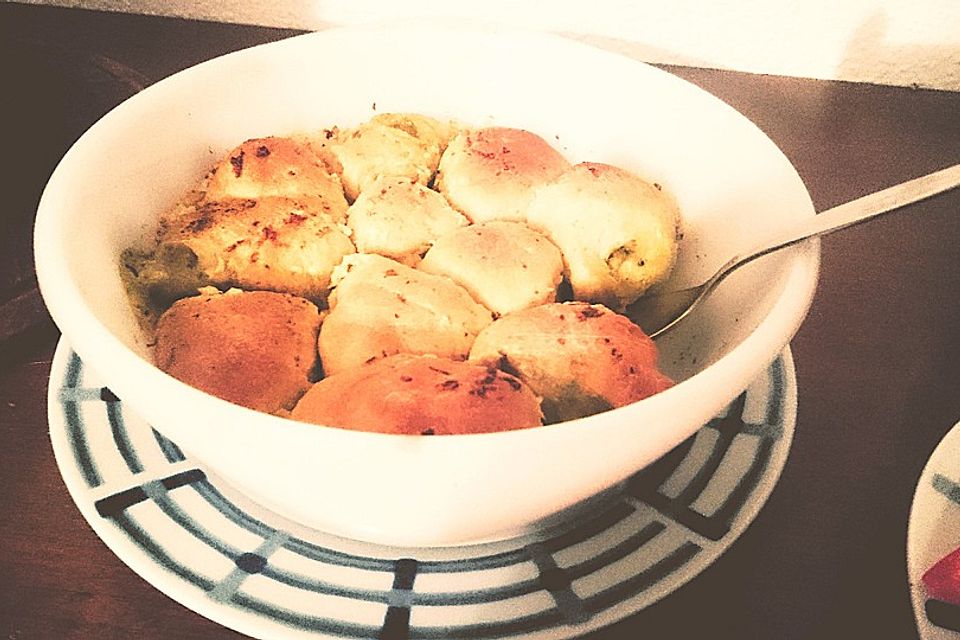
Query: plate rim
x,y
242,621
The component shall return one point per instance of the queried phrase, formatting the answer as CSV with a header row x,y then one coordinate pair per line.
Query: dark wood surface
x,y
877,360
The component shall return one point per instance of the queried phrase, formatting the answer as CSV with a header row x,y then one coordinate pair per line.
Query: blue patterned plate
x,y
934,532
208,547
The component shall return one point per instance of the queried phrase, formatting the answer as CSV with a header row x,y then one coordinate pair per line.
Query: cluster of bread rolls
x,y
405,276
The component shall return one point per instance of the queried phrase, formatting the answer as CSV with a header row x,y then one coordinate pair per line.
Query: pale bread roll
x,y
272,243
492,173
277,166
380,307
579,358
421,395
389,145
401,219
253,348
617,232
505,265
430,131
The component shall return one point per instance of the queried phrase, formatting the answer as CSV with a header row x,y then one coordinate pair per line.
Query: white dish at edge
x,y
934,528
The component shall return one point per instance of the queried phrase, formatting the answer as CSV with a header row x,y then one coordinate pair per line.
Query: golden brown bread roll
x,y
617,232
380,307
321,143
491,173
277,166
389,145
400,219
505,265
579,358
420,395
273,243
252,348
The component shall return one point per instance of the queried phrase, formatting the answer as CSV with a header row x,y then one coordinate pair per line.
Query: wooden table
x,y
877,360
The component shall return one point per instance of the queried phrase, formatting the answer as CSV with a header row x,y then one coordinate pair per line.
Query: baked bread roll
x,y
420,395
579,358
491,173
505,265
389,145
277,166
380,307
253,348
400,219
430,131
273,243
617,232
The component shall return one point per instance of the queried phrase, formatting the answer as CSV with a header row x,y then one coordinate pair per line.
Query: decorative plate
x,y
213,550
934,532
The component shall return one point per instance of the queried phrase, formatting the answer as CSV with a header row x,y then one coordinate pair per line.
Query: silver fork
x,y
658,313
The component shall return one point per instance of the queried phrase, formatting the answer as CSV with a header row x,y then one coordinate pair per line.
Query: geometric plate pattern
x,y
213,550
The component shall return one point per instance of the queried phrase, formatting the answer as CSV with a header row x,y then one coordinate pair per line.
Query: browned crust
x,y
252,348
421,395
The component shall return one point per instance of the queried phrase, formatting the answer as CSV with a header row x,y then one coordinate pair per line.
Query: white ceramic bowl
x,y
731,181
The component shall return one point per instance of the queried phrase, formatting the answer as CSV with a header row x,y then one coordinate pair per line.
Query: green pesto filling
x,y
572,403
156,279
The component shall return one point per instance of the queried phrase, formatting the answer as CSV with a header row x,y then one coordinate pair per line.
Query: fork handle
x,y
855,212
